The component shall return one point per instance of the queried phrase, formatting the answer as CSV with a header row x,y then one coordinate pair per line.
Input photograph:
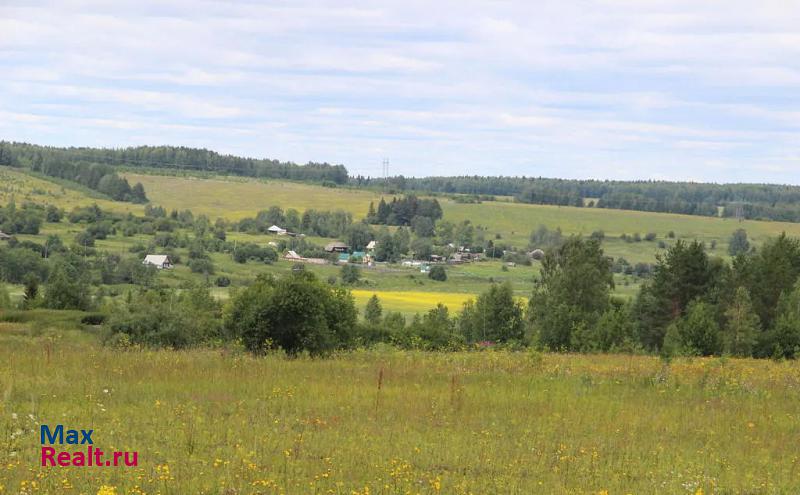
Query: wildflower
x,y
107,490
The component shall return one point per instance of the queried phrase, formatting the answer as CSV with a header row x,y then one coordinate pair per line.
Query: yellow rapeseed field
x,y
413,301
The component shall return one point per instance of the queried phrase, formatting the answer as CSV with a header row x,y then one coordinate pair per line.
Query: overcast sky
x,y
697,90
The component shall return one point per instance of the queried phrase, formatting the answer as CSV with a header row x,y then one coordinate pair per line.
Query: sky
x,y
698,90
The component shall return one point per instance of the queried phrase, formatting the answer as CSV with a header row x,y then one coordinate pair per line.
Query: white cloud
x,y
617,88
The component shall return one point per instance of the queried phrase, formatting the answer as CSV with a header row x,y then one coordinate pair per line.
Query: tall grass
x,y
383,421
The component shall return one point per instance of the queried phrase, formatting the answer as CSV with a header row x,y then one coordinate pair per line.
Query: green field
x,y
21,187
391,422
235,198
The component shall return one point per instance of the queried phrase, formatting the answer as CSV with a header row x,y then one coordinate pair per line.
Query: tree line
x,y
173,158
751,201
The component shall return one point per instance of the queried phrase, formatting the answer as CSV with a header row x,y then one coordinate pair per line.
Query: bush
x,y
696,334
295,313
350,274
94,319
17,264
222,281
84,239
598,235
199,265
166,318
68,286
438,273
53,214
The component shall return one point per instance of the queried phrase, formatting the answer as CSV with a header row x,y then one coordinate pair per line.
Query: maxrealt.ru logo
x,y
92,456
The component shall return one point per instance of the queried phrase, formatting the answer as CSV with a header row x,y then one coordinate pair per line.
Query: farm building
x,y
4,236
371,246
337,247
276,230
292,256
160,261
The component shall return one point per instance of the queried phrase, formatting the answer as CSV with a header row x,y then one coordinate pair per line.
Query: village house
x,y
4,236
337,247
276,230
160,261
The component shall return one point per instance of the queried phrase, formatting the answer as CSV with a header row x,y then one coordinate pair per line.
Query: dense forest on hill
x,y
91,174
753,201
172,157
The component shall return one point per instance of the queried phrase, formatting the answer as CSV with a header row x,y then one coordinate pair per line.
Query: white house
x,y
371,246
276,230
159,261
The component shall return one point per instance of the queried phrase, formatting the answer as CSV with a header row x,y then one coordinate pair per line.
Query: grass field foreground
x,y
390,422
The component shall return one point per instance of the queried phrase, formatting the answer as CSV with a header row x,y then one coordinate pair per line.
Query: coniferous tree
x,y
373,311
738,243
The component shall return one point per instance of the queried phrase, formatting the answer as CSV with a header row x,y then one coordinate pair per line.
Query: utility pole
x,y
385,168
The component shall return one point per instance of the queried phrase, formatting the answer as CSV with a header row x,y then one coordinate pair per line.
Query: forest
x,y
172,158
750,201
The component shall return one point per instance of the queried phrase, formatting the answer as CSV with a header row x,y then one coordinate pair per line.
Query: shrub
x,y
350,274
697,333
295,313
170,319
222,281
438,273
199,265
53,214
68,286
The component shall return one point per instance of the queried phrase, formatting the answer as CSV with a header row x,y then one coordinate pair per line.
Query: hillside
x,y
234,198
750,201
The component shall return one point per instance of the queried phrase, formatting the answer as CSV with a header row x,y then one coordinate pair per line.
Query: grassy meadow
x,y
391,422
22,186
234,198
